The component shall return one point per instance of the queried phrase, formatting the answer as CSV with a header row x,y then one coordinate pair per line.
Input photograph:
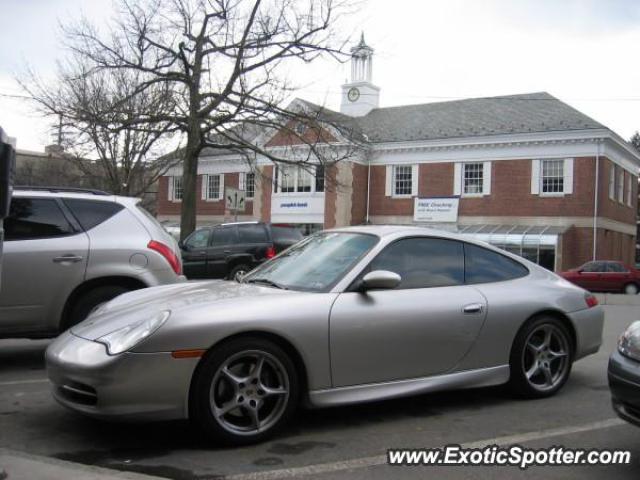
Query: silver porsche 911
x,y
347,315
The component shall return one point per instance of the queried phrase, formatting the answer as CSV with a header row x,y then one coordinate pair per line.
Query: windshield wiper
x,y
266,281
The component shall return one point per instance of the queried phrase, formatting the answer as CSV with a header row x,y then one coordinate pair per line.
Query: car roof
x,y
386,230
26,192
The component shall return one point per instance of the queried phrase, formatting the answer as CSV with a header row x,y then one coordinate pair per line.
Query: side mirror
x,y
380,280
182,245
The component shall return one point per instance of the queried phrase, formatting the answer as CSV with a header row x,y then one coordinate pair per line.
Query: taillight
x,y
270,253
168,254
591,300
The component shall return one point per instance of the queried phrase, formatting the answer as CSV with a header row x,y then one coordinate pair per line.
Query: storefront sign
x,y
303,208
436,209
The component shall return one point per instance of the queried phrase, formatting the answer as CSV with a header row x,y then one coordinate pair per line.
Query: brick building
x,y
527,173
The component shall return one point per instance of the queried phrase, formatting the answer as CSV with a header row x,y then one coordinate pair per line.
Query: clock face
x,y
353,94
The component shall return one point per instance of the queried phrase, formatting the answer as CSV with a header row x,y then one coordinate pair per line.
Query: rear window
x,y
285,234
90,212
252,233
34,218
484,266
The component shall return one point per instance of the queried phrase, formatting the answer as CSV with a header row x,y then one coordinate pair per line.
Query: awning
x,y
509,237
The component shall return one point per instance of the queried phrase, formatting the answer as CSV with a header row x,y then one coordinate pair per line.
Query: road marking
x,y
377,460
24,382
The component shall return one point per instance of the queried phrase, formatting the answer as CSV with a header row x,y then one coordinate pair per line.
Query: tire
x,y
228,398
238,271
91,300
630,289
541,358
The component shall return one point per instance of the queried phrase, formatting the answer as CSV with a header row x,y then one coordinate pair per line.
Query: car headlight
x,y
127,337
629,343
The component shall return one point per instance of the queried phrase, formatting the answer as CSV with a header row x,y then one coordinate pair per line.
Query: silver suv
x,y
67,251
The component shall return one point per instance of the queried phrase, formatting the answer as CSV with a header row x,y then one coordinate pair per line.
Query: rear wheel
x,y
631,289
541,358
238,272
90,300
244,391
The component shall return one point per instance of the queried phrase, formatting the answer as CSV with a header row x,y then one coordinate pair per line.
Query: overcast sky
x,y
583,51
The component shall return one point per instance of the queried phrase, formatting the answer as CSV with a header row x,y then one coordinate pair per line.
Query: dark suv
x,y
232,249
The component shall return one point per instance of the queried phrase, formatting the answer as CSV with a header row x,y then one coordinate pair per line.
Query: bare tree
x,y
224,64
95,110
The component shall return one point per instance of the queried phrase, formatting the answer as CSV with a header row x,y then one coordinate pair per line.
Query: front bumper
x,y
87,379
624,382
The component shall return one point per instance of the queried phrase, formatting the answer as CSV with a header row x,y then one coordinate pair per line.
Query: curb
x,y
16,465
617,299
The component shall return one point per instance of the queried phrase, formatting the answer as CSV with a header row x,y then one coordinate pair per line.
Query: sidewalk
x,y
23,466
617,299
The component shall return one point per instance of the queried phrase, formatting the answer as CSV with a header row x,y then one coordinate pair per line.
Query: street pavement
x,y
341,442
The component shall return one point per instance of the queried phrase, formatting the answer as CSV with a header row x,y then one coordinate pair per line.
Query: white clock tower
x,y
360,96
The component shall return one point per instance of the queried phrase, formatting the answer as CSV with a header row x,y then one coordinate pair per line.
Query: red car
x,y
605,276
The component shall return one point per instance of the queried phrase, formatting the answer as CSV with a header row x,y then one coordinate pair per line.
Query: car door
x,y
589,276
45,258
223,243
194,251
616,277
423,327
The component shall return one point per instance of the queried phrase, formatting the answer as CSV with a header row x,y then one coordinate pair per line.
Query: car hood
x,y
142,304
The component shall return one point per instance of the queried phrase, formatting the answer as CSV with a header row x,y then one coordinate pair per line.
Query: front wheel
x,y
541,358
631,289
244,391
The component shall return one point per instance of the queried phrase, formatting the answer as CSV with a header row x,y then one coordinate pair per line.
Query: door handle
x,y
226,251
68,258
472,308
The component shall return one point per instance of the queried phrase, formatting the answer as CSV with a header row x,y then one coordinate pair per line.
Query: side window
x,y
198,239
423,262
616,267
252,233
33,218
90,212
593,267
484,266
223,236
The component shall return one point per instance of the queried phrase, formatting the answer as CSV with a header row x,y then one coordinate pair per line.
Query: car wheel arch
x,y
279,340
87,285
564,319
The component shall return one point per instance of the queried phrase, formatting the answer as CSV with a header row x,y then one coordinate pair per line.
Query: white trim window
x,y
612,182
247,182
552,177
304,180
293,179
175,189
472,179
620,185
629,190
213,187
401,181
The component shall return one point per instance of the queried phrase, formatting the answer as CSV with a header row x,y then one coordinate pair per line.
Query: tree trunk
x,y
189,179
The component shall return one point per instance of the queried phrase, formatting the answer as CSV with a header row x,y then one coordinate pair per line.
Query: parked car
x,y
605,276
624,375
7,167
67,251
231,250
344,316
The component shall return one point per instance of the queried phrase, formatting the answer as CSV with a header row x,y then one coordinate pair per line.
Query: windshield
x,y
316,263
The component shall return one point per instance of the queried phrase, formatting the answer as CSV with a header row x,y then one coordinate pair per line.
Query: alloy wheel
x,y
545,359
249,392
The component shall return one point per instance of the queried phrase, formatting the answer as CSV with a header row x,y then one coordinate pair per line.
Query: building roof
x,y
531,112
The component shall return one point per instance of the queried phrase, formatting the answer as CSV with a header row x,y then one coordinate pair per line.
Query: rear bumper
x,y
624,382
85,378
588,325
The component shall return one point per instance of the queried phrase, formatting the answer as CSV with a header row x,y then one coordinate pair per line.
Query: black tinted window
x,y
483,266
224,236
423,262
90,212
35,218
593,267
253,233
198,239
285,234
616,267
